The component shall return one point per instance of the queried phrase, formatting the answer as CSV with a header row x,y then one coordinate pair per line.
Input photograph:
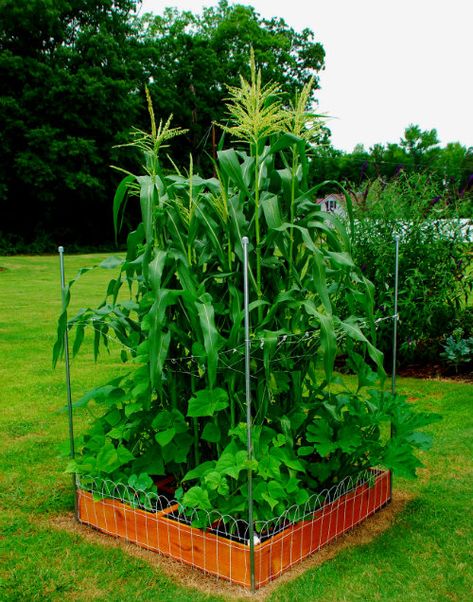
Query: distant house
x,y
333,203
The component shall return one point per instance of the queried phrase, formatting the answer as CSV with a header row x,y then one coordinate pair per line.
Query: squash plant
x,y
176,307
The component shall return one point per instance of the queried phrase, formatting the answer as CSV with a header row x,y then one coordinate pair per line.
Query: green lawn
x,y
425,555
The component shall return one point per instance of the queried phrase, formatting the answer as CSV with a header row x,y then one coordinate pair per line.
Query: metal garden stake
x,y
68,372
395,316
395,319
251,534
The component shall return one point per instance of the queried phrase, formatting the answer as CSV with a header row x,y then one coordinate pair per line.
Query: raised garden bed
x,y
240,290
346,506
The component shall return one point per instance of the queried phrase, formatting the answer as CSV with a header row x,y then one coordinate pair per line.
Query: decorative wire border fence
x,y
222,549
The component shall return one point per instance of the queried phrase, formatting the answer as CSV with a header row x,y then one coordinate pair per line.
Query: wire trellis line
x,y
255,342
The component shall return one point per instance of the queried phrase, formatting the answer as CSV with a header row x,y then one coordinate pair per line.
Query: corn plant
x,y
180,410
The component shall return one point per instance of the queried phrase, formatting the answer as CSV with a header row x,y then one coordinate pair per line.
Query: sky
x,y
388,63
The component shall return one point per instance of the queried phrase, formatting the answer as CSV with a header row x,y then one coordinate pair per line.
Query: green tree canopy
x,y
72,76
193,57
68,70
450,168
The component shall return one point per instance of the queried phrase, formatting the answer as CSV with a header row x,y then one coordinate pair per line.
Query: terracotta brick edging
x,y
230,559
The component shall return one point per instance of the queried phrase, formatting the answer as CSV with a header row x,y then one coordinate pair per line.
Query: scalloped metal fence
x,y
159,524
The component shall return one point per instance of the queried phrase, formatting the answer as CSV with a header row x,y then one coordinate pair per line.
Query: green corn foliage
x,y
180,409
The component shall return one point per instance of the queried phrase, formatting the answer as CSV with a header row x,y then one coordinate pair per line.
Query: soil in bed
x,y
238,532
435,371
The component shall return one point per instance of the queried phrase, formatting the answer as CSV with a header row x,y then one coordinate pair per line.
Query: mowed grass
x,y
425,555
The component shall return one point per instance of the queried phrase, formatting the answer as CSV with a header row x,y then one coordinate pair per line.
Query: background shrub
x,y
435,263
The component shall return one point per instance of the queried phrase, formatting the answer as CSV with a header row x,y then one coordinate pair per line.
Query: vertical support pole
x,y
395,319
68,374
395,316
251,533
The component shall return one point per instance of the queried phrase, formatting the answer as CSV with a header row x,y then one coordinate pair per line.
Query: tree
x,y
69,73
418,143
454,165
72,79
450,167
206,51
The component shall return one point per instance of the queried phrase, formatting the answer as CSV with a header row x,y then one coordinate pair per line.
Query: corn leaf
x,y
230,166
119,200
212,339
147,192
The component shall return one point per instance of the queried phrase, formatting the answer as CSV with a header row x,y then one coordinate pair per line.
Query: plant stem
x,y
232,401
195,424
173,392
219,447
292,208
191,200
259,292
229,241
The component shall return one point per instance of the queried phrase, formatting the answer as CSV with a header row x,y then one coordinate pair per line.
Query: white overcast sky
x,y
389,63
